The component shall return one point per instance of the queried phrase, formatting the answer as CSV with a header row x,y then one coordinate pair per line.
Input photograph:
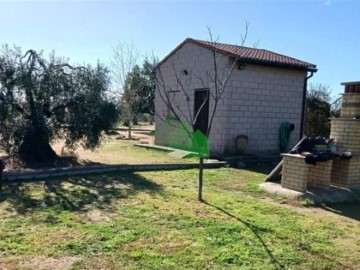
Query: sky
x,y
324,32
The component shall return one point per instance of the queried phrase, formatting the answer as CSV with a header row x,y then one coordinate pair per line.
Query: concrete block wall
x,y
294,173
196,61
260,98
320,174
346,173
298,175
350,105
346,132
256,101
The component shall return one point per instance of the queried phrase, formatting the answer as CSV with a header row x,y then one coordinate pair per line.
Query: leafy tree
x,y
138,93
147,93
46,99
317,111
130,98
134,85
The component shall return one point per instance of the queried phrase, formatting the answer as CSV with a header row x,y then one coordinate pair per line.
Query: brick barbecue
x,y
345,130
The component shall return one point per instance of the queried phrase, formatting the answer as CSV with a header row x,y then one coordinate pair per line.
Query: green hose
x,y
285,135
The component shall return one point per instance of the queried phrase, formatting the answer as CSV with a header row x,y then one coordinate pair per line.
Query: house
x,y
263,90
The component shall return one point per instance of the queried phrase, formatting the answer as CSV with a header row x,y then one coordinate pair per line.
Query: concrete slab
x,y
275,188
156,147
332,194
180,154
177,153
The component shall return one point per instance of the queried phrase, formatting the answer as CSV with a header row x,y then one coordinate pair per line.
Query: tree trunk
x,y
129,129
201,169
35,146
2,167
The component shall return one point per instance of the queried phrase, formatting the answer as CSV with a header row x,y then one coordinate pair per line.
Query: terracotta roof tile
x,y
250,55
256,55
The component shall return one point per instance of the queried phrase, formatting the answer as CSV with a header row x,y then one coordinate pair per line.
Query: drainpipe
x,y
303,103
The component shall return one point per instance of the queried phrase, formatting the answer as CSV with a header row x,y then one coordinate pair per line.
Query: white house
x,y
263,90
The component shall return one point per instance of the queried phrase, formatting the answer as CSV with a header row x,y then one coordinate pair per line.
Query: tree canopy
x,y
140,88
317,111
43,99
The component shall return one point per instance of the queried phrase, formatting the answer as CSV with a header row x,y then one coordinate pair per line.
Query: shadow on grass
x,y
76,193
60,162
18,164
255,230
350,210
263,168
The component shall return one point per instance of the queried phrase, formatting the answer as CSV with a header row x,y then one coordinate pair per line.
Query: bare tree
x,y
134,85
215,79
125,58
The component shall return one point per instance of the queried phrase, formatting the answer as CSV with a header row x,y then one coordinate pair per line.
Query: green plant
x,y
307,202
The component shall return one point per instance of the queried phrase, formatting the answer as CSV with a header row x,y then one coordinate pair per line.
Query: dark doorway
x,y
202,106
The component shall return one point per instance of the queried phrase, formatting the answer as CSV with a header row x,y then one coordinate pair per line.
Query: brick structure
x,y
298,175
346,132
263,91
320,174
295,172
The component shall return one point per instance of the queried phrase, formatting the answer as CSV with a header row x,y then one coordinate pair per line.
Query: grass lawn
x,y
111,151
114,151
152,220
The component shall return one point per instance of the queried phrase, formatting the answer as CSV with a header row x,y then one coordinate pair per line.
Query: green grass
x,y
152,220
114,151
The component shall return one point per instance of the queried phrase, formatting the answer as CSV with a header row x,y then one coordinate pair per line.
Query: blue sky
x,y
326,33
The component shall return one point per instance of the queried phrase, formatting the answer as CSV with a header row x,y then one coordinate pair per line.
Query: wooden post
x,y
201,169
2,167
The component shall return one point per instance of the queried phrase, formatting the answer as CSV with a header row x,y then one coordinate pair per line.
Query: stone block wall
x,y
294,173
350,105
320,174
259,100
298,175
346,173
346,132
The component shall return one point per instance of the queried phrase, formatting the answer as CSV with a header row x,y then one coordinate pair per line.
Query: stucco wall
x,y
256,101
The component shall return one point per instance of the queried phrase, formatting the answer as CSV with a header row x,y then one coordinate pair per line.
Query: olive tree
x,y
46,98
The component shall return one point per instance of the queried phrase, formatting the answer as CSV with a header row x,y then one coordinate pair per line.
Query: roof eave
x,y
172,52
310,68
